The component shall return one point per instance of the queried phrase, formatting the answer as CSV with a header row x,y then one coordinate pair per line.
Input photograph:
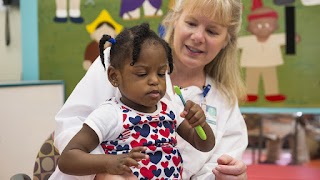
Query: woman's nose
x,y
198,36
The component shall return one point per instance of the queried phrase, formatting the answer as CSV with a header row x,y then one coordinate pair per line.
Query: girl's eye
x,y
161,74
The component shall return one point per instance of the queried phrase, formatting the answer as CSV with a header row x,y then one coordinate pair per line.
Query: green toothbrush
x,y
198,128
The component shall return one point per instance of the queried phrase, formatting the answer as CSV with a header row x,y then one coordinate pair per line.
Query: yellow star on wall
x,y
104,16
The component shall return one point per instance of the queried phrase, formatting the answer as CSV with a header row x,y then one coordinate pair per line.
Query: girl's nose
x,y
153,80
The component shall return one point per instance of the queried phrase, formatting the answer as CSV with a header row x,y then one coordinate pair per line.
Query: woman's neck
x,y
184,77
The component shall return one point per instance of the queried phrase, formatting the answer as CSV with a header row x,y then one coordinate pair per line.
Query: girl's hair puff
x,y
128,45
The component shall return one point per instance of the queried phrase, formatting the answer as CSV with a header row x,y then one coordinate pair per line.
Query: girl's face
x,y
197,40
144,84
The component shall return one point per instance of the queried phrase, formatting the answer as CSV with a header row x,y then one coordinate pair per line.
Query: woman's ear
x,y
113,76
225,44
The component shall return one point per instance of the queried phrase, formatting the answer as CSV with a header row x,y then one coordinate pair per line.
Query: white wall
x,y
10,56
27,118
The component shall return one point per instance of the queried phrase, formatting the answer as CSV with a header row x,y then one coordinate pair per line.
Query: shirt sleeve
x,y
176,108
93,89
106,122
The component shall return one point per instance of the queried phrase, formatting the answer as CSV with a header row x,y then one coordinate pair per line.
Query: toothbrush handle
x,y
198,128
201,132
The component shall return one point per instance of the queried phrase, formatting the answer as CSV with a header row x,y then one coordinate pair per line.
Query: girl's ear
x,y
113,76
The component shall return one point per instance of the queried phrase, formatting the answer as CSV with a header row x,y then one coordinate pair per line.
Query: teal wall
x,y
29,41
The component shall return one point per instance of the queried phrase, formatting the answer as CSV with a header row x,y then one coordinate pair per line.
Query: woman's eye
x,y
191,23
212,32
141,74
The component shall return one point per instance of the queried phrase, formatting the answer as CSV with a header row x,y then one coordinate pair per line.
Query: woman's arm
x,y
93,89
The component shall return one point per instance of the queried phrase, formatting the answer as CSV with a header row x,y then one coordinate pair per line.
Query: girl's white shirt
x,y
94,88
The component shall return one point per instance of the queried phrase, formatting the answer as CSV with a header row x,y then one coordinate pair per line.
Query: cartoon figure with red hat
x,y
261,52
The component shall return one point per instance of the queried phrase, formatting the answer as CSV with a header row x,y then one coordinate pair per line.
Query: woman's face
x,y
197,40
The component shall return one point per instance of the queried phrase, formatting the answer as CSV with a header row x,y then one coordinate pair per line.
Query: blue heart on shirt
x,y
168,125
155,157
121,148
174,151
144,131
156,172
176,175
168,172
114,143
179,169
162,118
149,118
171,115
135,120
125,110
149,143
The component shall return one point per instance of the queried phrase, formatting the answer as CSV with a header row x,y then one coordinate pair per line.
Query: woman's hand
x,y
230,168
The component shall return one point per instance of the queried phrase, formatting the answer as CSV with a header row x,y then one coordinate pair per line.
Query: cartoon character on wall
x,y
310,2
62,12
103,24
130,9
261,53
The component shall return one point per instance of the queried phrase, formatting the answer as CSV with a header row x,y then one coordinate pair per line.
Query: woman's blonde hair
x,y
224,68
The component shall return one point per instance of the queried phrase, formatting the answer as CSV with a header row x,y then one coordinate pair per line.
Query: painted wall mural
x,y
279,48
279,53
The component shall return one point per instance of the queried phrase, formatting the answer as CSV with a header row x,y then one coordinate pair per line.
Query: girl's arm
x,y
77,160
194,116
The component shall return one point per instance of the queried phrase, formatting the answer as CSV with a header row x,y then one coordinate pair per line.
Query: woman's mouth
x,y
193,50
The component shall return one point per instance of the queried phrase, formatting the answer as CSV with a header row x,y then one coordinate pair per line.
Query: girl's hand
x,y
120,164
194,114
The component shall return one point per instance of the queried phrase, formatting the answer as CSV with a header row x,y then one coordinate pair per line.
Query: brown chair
x,y
45,163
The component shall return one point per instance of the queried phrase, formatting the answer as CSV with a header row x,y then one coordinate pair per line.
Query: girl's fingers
x,y
126,168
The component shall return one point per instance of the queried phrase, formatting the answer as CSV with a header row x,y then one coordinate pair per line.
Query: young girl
x,y
136,129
